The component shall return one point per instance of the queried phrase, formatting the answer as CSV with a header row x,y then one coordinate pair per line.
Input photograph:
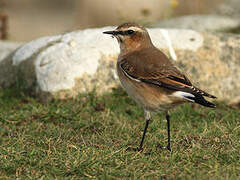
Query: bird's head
x,y
131,37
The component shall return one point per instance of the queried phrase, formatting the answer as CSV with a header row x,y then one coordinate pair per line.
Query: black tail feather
x,y
203,93
200,100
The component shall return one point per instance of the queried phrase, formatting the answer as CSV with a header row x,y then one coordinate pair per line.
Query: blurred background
x,y
24,20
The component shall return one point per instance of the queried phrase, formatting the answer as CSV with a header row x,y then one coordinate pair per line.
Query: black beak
x,y
111,32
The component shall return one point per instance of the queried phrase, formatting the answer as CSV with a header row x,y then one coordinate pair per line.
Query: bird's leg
x,y
168,129
147,119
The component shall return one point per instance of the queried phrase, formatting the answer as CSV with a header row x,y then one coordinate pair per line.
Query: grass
x,y
89,137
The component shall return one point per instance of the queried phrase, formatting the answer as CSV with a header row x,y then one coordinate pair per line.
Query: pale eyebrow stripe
x,y
135,29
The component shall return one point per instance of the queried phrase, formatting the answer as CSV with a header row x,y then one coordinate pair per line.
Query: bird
x,y
151,78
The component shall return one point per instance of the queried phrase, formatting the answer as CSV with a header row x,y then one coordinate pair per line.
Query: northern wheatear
x,y
149,77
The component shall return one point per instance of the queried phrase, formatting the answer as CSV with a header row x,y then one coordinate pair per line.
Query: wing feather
x,y
157,70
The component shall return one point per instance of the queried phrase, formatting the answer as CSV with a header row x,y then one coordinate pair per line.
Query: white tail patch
x,y
184,95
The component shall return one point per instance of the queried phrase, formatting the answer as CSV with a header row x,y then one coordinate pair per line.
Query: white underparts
x,y
184,95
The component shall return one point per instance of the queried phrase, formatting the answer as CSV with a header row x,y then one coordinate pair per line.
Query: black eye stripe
x,y
128,32
121,32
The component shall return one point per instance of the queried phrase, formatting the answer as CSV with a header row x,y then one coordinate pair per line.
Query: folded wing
x,y
161,72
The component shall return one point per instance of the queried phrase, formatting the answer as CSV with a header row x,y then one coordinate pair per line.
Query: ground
x,y
92,137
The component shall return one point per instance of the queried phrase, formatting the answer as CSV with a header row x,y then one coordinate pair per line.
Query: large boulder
x,y
8,72
229,8
64,65
210,22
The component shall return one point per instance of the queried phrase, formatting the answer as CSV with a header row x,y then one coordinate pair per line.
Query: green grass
x,y
89,137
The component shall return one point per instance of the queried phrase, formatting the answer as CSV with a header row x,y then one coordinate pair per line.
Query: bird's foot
x,y
169,148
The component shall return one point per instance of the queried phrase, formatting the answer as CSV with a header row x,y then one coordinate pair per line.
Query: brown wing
x,y
152,66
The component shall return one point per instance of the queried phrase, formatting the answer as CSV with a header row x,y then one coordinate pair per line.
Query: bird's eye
x,y
129,32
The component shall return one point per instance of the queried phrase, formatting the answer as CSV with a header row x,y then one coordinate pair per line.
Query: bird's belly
x,y
150,97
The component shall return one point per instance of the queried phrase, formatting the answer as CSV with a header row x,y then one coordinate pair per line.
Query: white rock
x,y
7,71
229,8
30,48
209,22
76,62
6,48
59,60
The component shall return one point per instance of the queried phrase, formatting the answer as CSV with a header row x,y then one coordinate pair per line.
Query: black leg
x,y
168,129
144,132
